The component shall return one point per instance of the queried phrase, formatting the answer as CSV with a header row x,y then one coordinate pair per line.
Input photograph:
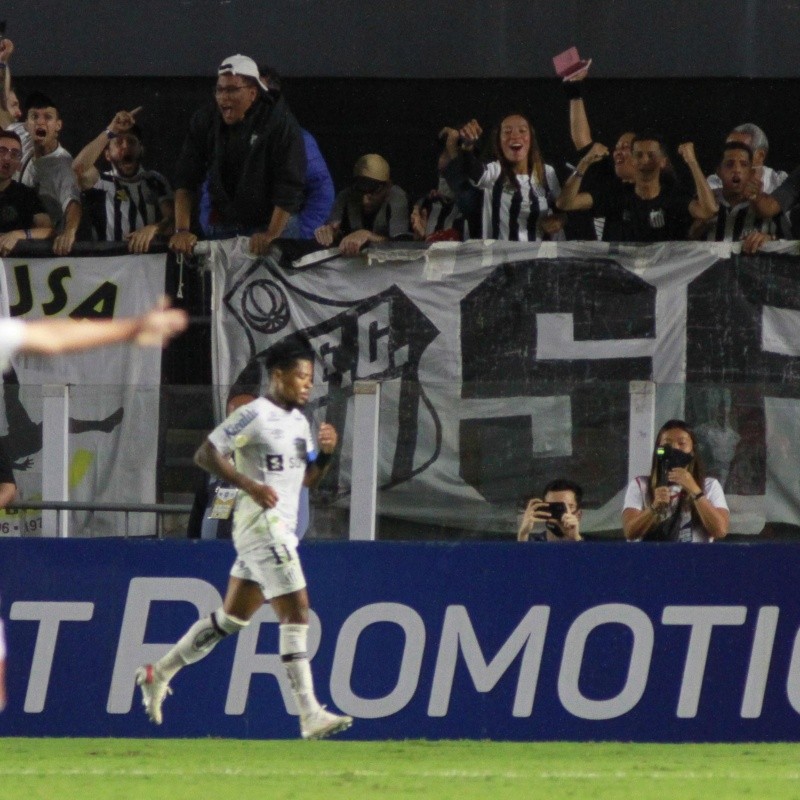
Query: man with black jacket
x,y
250,146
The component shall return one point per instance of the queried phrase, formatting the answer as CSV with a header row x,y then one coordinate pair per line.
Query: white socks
x,y
203,636
198,642
293,650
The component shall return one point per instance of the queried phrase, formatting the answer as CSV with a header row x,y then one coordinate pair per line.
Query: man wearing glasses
x,y
22,214
249,145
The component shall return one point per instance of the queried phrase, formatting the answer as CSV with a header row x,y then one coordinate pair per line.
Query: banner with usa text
x,y
113,395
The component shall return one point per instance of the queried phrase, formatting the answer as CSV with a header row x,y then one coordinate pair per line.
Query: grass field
x,y
128,769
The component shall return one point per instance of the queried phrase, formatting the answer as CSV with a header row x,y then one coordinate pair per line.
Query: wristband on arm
x,y
323,459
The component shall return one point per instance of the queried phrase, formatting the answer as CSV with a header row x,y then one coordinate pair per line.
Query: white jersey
x,y
10,340
272,446
636,498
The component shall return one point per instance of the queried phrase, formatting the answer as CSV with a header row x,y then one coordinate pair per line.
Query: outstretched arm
x,y
56,336
6,49
579,128
83,165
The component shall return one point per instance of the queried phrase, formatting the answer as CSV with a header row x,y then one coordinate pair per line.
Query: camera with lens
x,y
668,458
556,511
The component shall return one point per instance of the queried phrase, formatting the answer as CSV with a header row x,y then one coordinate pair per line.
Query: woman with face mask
x,y
676,502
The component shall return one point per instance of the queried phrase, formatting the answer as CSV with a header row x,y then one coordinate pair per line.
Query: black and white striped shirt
x,y
513,214
118,206
734,222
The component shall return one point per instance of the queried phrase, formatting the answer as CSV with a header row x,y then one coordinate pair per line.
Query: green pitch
x,y
136,769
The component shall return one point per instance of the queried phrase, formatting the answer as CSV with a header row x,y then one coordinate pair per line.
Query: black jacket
x,y
268,152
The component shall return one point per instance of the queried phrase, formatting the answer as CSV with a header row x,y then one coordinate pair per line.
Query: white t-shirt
x,y
636,498
11,333
272,446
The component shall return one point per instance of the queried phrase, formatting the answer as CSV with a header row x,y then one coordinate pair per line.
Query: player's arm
x,y
56,336
212,460
316,470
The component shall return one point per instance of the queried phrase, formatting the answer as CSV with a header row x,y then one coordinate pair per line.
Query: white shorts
x,y
275,568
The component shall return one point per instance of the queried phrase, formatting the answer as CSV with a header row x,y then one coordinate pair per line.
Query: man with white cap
x,y
250,146
373,209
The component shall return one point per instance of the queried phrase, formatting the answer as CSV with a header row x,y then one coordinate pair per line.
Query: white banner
x,y
505,365
113,397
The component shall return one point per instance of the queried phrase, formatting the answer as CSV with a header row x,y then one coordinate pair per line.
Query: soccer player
x,y
274,457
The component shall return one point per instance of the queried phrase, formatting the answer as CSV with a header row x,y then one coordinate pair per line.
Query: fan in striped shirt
x,y
737,219
126,203
519,189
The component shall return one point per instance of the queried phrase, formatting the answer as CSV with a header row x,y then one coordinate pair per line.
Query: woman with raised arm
x,y
519,189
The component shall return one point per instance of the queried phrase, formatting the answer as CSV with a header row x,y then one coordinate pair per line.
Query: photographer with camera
x,y
559,512
676,502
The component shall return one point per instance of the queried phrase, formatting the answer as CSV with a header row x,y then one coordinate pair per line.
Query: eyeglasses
x,y
14,155
228,91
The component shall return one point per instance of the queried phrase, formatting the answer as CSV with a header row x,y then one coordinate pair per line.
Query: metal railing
x,y
159,509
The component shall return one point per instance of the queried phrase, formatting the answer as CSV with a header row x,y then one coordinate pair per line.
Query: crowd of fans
x,y
248,168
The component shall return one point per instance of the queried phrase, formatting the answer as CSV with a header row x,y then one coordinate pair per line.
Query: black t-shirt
x,y
18,206
629,218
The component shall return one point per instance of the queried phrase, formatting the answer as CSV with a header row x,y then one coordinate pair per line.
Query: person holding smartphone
x,y
559,513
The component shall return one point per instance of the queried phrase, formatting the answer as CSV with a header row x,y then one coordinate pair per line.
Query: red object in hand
x,y
569,62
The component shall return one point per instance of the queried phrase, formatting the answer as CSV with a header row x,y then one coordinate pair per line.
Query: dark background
x,y
412,39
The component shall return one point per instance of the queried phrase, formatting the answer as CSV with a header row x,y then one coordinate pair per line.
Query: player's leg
x,y
292,613
242,600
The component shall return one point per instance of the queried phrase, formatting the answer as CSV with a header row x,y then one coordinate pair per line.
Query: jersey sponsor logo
x,y
247,417
657,218
301,448
275,463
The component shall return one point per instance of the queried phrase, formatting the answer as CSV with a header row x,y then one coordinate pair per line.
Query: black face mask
x,y
668,458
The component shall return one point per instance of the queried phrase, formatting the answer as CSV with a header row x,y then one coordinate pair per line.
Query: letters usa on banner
x,y
114,394
503,365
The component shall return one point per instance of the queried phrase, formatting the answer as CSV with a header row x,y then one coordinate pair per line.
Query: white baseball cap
x,y
241,65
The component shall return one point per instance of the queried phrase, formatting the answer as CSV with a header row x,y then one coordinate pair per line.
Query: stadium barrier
x,y
599,641
499,365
